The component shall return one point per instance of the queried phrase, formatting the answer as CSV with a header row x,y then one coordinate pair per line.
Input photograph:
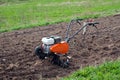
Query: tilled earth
x,y
18,61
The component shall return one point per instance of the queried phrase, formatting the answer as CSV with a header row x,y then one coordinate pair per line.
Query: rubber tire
x,y
39,52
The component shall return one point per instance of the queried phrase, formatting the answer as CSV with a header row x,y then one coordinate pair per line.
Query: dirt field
x,y
18,61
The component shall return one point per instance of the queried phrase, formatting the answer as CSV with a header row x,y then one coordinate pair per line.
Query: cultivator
x,y
54,47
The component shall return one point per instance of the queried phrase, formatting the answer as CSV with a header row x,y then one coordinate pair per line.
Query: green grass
x,y
106,71
19,14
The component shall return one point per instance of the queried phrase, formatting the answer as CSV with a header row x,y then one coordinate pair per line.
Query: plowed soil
x,y
18,61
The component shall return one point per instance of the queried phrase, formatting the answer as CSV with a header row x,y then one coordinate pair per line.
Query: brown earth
x,y
18,61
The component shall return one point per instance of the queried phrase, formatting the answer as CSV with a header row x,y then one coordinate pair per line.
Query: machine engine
x,y
48,42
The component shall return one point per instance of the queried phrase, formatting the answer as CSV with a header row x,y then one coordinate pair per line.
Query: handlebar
x,y
92,23
69,26
68,38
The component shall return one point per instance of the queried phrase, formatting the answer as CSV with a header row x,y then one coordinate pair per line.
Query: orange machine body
x,y
60,48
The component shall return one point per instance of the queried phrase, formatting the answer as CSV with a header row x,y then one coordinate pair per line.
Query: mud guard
x,y
61,48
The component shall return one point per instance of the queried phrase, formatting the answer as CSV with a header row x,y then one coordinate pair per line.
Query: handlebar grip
x,y
96,23
92,23
79,19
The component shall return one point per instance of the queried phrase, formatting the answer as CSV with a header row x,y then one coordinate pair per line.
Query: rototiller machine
x,y
53,46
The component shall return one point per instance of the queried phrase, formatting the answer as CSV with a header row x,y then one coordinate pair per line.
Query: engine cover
x,y
48,40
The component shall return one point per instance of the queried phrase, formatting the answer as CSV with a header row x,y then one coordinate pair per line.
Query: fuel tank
x,y
48,40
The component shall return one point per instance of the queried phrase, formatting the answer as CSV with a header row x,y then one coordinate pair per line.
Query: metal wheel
x,y
56,60
64,64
